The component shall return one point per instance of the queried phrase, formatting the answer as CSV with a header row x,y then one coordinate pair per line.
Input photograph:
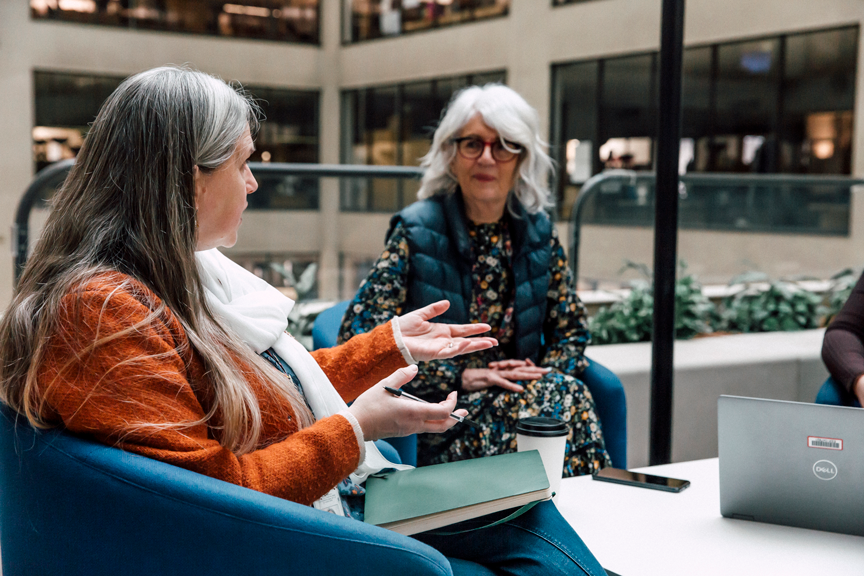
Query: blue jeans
x,y
537,543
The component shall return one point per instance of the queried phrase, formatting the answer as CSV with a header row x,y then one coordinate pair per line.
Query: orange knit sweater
x,y
151,375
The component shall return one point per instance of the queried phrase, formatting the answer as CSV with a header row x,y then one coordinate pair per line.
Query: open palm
x,y
427,340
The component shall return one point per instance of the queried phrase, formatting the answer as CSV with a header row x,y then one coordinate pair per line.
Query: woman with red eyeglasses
x,y
479,237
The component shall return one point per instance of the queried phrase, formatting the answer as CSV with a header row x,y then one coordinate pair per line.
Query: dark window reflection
x,y
783,104
289,133
574,125
746,85
284,20
393,125
698,103
628,112
818,102
368,19
66,104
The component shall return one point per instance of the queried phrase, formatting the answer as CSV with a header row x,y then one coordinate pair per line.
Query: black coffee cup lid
x,y
542,426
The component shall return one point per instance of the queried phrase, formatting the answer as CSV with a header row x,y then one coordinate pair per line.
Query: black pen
x,y
403,394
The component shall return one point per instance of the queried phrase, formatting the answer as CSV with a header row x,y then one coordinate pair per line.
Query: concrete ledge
x,y
776,365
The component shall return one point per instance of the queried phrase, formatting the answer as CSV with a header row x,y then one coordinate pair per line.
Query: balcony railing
x,y
764,203
281,187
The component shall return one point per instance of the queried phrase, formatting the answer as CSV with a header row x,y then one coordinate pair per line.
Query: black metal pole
x,y
666,230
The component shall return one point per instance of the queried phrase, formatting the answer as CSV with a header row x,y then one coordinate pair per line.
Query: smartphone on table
x,y
619,476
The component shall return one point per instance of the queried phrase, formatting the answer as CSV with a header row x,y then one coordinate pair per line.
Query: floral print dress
x,y
558,394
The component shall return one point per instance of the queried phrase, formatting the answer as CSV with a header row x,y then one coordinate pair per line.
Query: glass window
x,y
697,107
574,126
368,19
746,88
393,126
604,117
420,112
374,136
66,104
627,114
781,104
283,20
818,102
289,133
421,109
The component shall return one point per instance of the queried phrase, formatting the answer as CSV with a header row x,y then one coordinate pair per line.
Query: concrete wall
x,y
775,365
525,44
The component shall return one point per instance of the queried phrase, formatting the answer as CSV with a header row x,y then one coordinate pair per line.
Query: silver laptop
x,y
792,463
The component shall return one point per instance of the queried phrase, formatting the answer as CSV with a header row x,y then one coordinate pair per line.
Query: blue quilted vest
x,y
440,265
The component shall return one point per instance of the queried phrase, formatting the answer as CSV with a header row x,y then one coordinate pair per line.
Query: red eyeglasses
x,y
472,147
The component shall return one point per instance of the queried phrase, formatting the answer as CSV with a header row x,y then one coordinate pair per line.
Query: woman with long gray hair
x,y
479,237
130,327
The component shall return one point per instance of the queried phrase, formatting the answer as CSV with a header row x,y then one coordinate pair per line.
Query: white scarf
x,y
258,313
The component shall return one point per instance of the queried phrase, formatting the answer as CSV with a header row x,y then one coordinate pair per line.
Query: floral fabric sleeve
x,y
566,325
382,294
438,378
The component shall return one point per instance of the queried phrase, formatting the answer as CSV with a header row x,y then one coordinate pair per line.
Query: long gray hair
x,y
506,112
128,206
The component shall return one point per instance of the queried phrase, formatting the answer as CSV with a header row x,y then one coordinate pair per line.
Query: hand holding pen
x,y
403,394
382,415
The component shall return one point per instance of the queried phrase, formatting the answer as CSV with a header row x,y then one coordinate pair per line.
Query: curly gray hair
x,y
506,112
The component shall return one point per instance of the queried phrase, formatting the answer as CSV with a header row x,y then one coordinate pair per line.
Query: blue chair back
x,y
325,329
605,387
73,507
833,394
611,404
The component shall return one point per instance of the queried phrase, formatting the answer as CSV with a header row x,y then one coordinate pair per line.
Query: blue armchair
x,y
833,394
325,329
611,404
70,506
606,388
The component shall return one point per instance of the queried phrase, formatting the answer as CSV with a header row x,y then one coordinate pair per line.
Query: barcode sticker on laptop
x,y
825,443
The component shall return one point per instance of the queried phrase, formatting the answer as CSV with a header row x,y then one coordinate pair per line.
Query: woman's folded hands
x,y
504,374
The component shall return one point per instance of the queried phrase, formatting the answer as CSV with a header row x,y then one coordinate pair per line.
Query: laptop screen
x,y
792,463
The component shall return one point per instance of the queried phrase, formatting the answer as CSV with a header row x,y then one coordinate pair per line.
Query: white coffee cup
x,y
549,437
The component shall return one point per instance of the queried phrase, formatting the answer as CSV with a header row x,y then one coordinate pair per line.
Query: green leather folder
x,y
412,501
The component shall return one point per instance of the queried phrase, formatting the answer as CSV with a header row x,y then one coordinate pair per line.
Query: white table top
x,y
641,532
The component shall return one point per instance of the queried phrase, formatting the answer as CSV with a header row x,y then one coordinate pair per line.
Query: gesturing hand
x,y
382,415
503,373
433,341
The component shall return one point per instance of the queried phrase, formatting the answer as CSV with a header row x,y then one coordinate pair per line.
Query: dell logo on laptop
x,y
825,470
